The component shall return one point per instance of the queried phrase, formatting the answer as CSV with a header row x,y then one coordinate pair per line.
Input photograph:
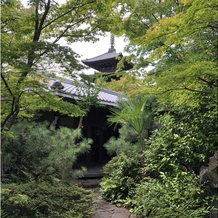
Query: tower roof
x,y
108,61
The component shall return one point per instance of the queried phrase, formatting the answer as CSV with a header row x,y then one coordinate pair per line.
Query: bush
x,y
126,143
38,153
179,196
46,201
121,175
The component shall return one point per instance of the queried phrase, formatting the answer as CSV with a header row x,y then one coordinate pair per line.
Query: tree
x,y
31,52
40,154
177,37
180,39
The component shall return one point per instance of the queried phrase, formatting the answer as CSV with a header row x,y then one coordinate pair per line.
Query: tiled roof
x,y
106,62
104,56
69,90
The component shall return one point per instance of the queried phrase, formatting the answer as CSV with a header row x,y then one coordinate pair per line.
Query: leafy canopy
x,y
32,52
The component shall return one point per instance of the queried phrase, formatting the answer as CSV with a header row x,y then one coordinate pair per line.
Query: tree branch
x,y
65,13
185,88
36,23
63,33
210,83
47,7
192,90
6,85
141,20
155,17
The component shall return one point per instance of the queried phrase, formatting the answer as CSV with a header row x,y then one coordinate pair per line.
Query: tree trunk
x,y
52,126
80,122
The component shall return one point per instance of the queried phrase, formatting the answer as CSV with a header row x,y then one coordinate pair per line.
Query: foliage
x,y
172,196
87,94
129,85
32,53
46,200
179,38
170,187
137,114
126,142
181,143
176,149
173,159
173,156
121,174
38,153
136,119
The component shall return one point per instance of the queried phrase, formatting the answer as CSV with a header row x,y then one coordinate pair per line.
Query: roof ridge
x,y
109,52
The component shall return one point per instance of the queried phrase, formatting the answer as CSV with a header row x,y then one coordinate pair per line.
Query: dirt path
x,y
104,208
107,210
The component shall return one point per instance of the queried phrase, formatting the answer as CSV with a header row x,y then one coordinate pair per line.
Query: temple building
x,y
94,125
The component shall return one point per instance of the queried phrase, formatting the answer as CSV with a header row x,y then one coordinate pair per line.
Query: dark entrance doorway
x,y
95,127
97,154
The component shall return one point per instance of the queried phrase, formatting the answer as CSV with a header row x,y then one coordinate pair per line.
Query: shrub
x,y
121,175
46,200
38,153
126,143
179,196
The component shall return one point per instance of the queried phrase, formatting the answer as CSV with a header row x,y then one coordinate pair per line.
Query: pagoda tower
x,y
107,62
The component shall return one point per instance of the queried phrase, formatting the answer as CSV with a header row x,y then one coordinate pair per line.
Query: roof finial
x,y
112,41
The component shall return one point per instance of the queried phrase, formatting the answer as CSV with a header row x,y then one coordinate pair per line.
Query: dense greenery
x,y
171,196
45,200
38,172
39,153
169,129
167,183
179,38
121,175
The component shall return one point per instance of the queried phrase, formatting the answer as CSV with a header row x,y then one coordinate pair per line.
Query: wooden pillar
x,y
88,154
100,148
